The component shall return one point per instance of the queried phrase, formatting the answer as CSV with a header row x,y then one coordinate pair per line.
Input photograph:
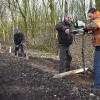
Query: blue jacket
x,y
19,38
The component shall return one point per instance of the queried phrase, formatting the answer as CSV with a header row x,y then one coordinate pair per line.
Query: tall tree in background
x,y
37,18
52,12
90,3
23,12
97,2
79,10
66,6
2,17
12,7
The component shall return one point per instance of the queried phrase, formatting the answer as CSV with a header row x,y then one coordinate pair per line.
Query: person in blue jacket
x,y
19,40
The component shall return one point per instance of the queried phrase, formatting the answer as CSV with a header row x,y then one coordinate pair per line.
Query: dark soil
x,y
22,79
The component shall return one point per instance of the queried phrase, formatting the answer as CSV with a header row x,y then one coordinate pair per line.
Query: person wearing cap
x,y
19,40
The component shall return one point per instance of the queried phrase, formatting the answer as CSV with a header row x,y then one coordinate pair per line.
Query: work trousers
x,y
65,58
21,49
97,69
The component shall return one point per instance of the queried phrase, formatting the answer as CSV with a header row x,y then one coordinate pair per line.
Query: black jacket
x,y
64,38
19,38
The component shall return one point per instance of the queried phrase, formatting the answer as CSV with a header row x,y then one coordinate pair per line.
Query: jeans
x,y
21,47
97,69
65,58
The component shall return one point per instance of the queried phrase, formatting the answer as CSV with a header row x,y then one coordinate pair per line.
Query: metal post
x,y
83,46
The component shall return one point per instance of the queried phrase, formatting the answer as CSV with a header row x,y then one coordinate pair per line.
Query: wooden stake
x,y
10,49
69,73
0,45
27,55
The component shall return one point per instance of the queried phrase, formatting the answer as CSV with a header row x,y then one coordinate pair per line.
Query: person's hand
x,y
17,45
20,44
85,29
67,31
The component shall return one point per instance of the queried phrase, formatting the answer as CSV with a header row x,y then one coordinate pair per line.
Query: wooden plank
x,y
69,73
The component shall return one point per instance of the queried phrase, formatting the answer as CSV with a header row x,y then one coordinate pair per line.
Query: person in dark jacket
x,y
19,40
65,39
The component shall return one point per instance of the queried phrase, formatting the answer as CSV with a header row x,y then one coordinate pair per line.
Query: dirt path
x,y
31,79
49,63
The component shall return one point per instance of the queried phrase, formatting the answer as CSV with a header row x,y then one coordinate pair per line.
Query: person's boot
x,y
67,69
61,70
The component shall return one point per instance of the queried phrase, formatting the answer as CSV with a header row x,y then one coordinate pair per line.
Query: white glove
x,y
80,24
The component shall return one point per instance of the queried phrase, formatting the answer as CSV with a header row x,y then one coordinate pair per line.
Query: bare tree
x,y
97,4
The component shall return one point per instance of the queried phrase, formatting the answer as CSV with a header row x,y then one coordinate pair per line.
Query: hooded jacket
x,y
19,38
64,38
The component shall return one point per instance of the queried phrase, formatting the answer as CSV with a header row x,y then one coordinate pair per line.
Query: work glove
x,y
17,47
85,29
21,43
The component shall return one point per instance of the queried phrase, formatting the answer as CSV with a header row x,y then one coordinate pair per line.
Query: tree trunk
x,y
97,2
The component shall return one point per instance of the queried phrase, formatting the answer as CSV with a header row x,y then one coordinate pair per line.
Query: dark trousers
x,y
97,69
65,58
21,48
